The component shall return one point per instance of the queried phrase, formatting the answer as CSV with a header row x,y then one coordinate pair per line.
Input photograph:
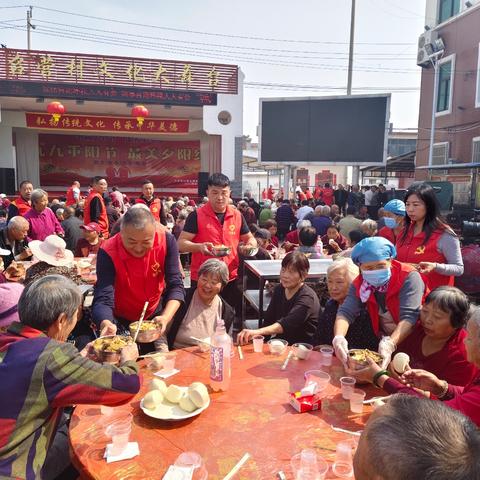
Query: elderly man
x,y
153,203
138,265
41,373
21,205
95,209
13,238
321,219
43,222
415,438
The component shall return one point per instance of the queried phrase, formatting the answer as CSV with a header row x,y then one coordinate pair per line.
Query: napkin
x,y
131,451
175,472
163,374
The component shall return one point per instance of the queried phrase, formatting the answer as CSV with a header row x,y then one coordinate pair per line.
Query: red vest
x,y
210,230
137,280
327,196
22,205
70,198
400,272
387,233
103,219
412,250
155,207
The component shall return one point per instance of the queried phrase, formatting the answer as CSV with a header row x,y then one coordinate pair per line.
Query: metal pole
x,y
350,53
434,110
29,26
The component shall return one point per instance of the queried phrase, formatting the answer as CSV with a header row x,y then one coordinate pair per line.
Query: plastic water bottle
x,y
319,246
220,372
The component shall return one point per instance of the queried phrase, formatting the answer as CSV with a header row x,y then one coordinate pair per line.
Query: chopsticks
x,y
201,341
240,353
374,399
285,363
140,321
237,467
342,430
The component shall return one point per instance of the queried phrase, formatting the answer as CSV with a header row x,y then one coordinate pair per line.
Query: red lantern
x,y
140,112
56,109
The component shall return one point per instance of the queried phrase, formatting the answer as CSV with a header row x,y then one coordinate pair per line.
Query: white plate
x,y
171,412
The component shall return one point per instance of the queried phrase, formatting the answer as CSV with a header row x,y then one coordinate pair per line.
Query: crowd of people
x,y
389,288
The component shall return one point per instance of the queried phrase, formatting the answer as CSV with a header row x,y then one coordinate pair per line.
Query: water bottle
x,y
220,358
319,246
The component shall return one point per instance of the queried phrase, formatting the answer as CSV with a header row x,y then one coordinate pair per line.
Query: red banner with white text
x,y
124,161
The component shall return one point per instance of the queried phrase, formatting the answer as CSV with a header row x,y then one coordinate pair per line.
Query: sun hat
x,y
396,207
53,250
9,295
373,249
92,227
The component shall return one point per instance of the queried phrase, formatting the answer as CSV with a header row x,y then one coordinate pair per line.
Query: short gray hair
x,y
17,222
38,194
474,315
352,271
137,218
44,300
326,210
431,441
369,227
215,267
303,223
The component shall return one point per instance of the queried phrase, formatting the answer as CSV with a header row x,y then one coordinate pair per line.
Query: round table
x,y
253,416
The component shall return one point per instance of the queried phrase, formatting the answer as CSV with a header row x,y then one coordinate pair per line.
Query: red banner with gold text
x,y
124,161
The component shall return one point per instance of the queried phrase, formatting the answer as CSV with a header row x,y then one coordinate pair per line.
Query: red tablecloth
x,y
252,416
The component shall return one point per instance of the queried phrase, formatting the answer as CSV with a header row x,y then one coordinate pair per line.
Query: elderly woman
x,y
464,399
43,374
293,311
53,258
437,342
42,220
199,315
391,291
369,227
340,276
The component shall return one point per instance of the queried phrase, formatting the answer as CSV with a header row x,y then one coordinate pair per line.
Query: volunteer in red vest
x,y
154,204
73,194
427,241
139,264
95,209
216,223
22,204
394,218
391,291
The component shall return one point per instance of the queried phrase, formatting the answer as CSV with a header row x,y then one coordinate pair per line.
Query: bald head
x,y
17,228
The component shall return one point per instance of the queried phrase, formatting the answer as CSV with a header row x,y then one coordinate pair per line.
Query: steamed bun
x,y
198,394
174,393
153,399
187,404
158,384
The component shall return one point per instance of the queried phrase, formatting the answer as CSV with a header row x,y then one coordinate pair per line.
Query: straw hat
x,y
53,250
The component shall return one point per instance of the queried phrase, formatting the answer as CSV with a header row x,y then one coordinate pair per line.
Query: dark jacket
x,y
18,248
228,314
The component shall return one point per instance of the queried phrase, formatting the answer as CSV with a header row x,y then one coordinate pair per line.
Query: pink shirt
x,y
42,224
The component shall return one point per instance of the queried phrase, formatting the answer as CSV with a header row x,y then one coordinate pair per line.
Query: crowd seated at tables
x,y
370,301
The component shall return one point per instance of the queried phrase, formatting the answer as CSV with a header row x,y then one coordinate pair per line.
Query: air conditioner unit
x,y
425,38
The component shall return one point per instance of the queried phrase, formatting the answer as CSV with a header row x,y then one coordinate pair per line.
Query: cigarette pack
x,y
306,403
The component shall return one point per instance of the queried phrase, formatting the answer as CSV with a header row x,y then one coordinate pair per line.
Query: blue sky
x,y
292,44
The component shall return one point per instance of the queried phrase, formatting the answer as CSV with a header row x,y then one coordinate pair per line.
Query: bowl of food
x,y
357,358
302,350
220,250
277,346
149,331
108,349
249,251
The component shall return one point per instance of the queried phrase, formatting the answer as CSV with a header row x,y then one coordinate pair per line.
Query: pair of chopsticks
x,y
374,399
140,321
240,353
237,467
342,430
285,363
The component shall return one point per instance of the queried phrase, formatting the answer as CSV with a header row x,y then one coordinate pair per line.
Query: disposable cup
x,y
356,401
119,431
169,363
319,377
195,461
348,386
307,465
326,355
258,343
343,465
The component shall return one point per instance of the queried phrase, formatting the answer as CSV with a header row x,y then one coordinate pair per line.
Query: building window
x,y
476,150
446,70
440,153
448,9
477,97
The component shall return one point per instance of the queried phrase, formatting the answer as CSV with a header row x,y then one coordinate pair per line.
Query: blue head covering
x,y
395,206
372,249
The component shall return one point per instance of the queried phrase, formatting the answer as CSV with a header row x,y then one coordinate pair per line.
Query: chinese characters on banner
x,y
124,161
106,124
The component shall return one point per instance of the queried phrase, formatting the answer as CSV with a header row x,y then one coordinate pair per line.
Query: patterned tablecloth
x,y
253,416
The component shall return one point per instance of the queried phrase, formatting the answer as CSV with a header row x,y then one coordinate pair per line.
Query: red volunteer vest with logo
x,y
103,219
70,198
211,230
137,280
412,250
22,205
154,207
400,272
387,233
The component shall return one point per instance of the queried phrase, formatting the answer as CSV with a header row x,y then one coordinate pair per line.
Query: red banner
x,y
124,161
93,123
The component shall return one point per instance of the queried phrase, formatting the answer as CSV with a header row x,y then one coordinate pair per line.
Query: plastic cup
x,y
195,461
326,355
356,401
348,386
258,343
106,410
119,431
169,363
343,465
307,465
319,377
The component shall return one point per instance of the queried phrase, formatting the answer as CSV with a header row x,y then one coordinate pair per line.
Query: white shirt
x,y
368,197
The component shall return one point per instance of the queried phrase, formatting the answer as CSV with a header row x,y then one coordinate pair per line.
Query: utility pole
x,y
355,168
30,26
